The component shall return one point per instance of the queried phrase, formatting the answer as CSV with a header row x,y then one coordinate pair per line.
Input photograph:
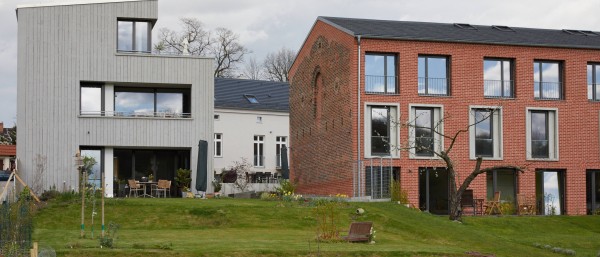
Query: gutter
x,y
358,116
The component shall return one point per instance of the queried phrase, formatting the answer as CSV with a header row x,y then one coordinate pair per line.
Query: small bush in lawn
x,y
109,239
165,246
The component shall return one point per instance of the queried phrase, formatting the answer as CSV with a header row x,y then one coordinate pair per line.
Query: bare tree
x,y
457,187
252,70
192,37
194,40
10,138
278,64
227,51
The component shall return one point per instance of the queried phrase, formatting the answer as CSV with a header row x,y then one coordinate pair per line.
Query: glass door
x,y
96,173
550,192
592,182
433,190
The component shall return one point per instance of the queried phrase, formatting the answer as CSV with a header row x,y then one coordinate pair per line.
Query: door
x,y
433,190
593,191
550,192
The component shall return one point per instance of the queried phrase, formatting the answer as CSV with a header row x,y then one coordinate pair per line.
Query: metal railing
x,y
164,115
381,84
498,88
372,178
433,86
547,90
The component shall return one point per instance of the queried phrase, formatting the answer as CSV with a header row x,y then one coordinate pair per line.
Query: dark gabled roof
x,y
465,33
234,93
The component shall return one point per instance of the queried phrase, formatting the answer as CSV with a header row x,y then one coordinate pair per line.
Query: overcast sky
x,y
267,25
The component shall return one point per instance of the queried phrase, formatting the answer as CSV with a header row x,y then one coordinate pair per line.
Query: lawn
x,y
252,227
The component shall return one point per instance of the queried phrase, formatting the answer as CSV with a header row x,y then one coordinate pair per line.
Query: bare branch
x,y
277,64
227,51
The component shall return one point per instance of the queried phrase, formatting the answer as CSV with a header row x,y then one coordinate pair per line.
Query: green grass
x,y
232,227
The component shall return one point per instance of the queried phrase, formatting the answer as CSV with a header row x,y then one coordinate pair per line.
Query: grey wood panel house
x,y
88,81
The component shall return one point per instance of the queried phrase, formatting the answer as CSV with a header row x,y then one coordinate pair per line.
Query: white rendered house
x,y
251,122
88,81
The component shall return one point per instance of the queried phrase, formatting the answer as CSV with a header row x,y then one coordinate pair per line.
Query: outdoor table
x,y
146,185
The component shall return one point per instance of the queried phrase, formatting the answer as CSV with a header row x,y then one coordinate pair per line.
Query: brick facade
x,y
325,147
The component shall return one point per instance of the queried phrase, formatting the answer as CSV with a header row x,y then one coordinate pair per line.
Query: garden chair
x,y
134,187
161,187
466,200
359,232
493,205
525,205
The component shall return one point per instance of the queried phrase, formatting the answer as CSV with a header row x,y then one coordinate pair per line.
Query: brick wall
x,y
578,118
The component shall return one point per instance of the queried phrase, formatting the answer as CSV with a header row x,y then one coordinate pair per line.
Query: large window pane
x,y
141,36
134,103
424,132
484,143
547,81
380,134
433,75
539,135
91,100
593,74
497,78
503,181
380,73
169,102
95,174
125,36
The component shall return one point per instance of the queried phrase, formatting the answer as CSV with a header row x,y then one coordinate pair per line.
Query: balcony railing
x,y
381,84
547,90
165,115
498,88
433,86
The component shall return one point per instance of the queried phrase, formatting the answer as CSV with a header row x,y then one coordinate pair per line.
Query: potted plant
x,y
183,180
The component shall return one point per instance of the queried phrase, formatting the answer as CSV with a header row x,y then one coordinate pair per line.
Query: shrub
x,y
508,208
285,187
327,216
398,194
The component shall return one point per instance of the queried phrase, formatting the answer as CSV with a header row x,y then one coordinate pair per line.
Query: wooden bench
x,y
359,232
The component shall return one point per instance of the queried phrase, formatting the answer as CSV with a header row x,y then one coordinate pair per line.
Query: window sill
x,y
381,93
414,157
430,95
381,157
548,99
500,97
488,158
542,159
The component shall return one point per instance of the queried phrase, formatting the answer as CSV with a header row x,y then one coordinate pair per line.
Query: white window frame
x,y
218,143
259,119
497,131
552,133
279,143
394,131
438,141
260,140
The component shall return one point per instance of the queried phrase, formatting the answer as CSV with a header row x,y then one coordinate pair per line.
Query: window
x,y
497,78
134,36
550,191
251,98
149,102
96,172
381,131
258,119
91,99
547,81
259,157
503,181
433,75
279,143
425,131
592,182
218,145
486,132
380,73
542,131
593,77
216,116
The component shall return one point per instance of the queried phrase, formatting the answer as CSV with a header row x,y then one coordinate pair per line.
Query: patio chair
x,y
493,205
525,205
160,187
359,232
134,187
467,200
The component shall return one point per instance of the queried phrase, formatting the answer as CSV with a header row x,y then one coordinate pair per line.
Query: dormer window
x,y
134,36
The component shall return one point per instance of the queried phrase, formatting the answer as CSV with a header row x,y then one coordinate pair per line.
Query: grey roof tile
x,y
271,96
446,32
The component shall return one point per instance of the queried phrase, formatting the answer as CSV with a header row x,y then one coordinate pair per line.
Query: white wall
x,y
239,128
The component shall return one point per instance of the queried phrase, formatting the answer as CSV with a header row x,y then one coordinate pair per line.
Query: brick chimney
x,y
1,127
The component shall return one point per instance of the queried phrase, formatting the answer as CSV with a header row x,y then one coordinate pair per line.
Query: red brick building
x,y
371,102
